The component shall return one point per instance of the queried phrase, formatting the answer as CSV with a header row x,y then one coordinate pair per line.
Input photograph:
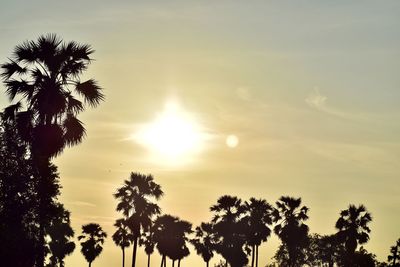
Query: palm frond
x,y
74,131
10,68
91,92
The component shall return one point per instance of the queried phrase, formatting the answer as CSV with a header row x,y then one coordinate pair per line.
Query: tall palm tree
x,y
203,241
122,237
353,229
291,228
93,238
260,214
136,202
230,230
147,240
43,78
395,254
170,235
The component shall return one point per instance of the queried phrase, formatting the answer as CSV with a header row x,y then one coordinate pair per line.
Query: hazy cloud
x,y
316,100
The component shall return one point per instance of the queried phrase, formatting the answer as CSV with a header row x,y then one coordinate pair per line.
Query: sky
x,y
309,88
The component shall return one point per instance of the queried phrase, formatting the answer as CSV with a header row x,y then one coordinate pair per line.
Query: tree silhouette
x,y
18,217
230,230
291,228
394,254
203,241
135,202
147,240
45,75
170,235
259,215
93,239
60,233
353,230
122,238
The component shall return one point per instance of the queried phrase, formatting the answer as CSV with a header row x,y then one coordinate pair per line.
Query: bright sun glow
x,y
172,136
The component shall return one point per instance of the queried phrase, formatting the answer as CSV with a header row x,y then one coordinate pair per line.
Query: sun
x,y
174,136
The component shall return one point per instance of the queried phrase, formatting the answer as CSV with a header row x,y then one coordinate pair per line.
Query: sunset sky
x,y
310,89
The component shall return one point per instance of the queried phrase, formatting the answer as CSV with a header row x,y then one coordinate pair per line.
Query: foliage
x,y
92,240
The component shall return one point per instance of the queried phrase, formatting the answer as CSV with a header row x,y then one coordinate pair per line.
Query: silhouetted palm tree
x,y
147,240
135,201
260,214
170,235
203,241
46,74
395,254
93,239
122,238
291,228
353,229
60,233
230,230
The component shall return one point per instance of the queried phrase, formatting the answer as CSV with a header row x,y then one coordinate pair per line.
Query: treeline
x,y
237,229
42,80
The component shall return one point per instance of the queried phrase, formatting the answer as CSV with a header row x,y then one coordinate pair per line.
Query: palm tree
x,y
44,78
395,255
291,228
260,214
230,230
353,229
122,237
147,240
203,241
170,235
93,239
136,203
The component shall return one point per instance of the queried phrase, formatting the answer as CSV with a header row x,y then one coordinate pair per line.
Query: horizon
x,y
281,98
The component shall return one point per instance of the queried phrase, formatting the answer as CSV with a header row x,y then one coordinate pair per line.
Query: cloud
x,y
316,100
81,203
244,93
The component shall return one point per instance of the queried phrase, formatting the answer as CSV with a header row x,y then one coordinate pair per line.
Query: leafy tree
x,y
291,228
203,241
18,223
93,239
122,237
136,202
394,257
43,76
170,235
353,230
260,214
60,233
230,230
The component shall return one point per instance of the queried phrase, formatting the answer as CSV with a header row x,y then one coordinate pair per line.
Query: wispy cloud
x,y
81,204
316,100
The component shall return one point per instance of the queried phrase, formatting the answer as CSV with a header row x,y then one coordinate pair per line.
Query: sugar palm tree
x,y
291,228
122,238
147,240
136,202
42,80
230,230
93,238
170,235
353,229
395,254
260,214
203,241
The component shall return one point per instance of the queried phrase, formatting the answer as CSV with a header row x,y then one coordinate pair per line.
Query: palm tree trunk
x,y
226,263
252,255
123,257
135,242
165,261
148,260
179,263
90,263
173,263
257,256
207,263
162,261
